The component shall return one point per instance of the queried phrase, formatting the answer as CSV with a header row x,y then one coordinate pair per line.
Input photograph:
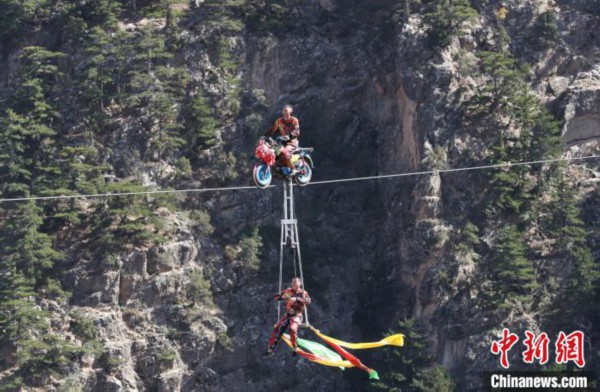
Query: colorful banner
x,y
322,355
393,340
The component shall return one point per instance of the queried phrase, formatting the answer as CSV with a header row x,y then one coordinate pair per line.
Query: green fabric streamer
x,y
319,349
373,375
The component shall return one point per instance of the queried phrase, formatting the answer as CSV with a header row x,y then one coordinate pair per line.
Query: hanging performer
x,y
296,299
288,127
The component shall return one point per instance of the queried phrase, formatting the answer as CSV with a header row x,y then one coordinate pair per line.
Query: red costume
x,y
291,128
296,300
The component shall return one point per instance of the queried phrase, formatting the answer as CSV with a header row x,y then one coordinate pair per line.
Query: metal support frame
x,y
290,239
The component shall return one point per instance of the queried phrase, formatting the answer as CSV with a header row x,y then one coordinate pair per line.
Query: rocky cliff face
x,y
373,97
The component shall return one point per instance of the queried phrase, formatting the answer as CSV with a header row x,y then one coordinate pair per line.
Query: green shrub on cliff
x,y
199,289
545,30
412,368
247,251
433,379
445,19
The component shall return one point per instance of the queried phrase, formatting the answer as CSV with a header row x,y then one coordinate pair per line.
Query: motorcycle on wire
x,y
267,151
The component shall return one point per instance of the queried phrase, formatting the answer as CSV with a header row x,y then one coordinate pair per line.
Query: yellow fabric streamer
x,y
393,340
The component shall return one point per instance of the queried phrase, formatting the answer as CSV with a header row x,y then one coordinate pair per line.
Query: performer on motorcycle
x,y
288,127
296,299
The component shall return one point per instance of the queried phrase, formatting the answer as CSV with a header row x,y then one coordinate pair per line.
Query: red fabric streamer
x,y
355,361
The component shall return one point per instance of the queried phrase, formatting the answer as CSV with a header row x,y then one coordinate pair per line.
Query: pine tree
x,y
546,139
512,274
165,106
21,320
11,19
571,245
156,91
38,72
202,125
506,85
103,13
28,274
545,30
26,128
467,242
534,134
512,186
16,164
102,75
546,143
149,51
412,368
80,172
126,221
172,31
28,249
433,379
445,20
16,14
28,259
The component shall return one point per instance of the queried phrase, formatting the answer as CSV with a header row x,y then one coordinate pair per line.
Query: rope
x,y
295,260
281,248
459,169
341,180
158,191
306,321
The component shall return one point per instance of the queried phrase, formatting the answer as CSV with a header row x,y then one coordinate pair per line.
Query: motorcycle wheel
x,y
304,178
262,175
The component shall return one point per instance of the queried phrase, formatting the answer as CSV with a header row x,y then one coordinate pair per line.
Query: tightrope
x,y
459,169
339,180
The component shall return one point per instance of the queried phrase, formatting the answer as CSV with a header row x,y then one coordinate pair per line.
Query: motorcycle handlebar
x,y
270,140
